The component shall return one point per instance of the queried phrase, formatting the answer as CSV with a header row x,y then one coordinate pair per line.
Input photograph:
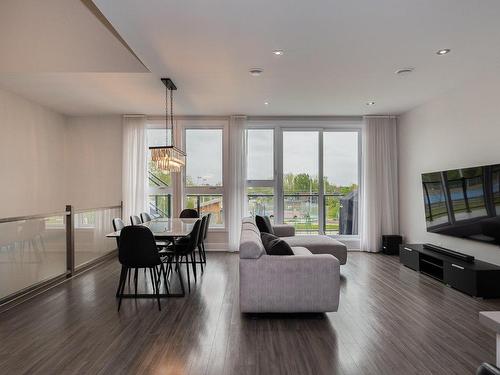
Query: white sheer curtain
x,y
380,214
134,167
237,203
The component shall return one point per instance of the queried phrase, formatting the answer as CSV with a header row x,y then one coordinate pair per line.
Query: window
x,y
340,182
204,176
300,180
260,172
160,183
204,150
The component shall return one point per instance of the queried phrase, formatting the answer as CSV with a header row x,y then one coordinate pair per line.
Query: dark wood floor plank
x,y
391,320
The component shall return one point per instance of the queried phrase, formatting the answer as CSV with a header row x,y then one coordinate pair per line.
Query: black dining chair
x,y
135,220
145,217
184,249
200,240
205,234
189,213
138,250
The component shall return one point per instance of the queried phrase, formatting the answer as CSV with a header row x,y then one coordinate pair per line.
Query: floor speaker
x,y
390,244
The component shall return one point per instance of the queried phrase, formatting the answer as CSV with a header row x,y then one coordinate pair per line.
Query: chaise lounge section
x,y
299,283
316,244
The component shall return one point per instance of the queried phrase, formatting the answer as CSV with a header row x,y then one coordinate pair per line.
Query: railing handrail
x,y
30,217
154,207
153,177
80,210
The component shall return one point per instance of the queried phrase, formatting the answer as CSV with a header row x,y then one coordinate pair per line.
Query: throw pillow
x,y
275,245
264,224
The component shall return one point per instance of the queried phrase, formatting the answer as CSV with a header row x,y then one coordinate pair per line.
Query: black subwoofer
x,y
390,244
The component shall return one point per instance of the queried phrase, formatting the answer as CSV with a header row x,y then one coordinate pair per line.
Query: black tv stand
x,y
451,253
473,277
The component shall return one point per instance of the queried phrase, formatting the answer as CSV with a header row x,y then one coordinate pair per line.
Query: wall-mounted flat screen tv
x,y
464,202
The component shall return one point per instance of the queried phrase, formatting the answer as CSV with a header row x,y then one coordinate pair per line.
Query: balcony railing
x,y
39,250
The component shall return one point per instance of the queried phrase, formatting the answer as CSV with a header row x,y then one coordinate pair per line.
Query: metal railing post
x,y
70,242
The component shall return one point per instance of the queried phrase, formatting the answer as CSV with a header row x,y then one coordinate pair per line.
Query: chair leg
x,y
178,269
136,272
122,284
155,285
201,257
187,270
164,277
193,264
204,252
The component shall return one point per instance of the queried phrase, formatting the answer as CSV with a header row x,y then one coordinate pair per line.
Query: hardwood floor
x,y
391,321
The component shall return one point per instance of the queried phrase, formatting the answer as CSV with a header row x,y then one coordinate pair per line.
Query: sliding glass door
x,y
340,182
300,180
308,178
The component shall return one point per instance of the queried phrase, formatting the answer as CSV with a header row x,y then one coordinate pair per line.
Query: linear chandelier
x,y
168,158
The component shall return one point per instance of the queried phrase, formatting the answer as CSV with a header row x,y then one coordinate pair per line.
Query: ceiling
x,y
338,54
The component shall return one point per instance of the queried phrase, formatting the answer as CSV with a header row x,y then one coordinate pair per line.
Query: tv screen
x,y
464,202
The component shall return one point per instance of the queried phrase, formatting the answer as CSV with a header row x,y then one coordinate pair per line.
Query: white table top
x,y
490,319
166,227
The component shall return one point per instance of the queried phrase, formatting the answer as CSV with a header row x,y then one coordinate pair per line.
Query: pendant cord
x,y
172,114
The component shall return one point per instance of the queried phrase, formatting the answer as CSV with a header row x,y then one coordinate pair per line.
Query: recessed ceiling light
x,y
256,72
278,52
404,71
444,51
266,103
369,104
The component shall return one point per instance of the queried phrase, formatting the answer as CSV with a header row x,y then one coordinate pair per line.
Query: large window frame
x,y
156,187
268,183
321,126
183,126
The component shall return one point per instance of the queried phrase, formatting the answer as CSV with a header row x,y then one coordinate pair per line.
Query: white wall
x,y
94,161
48,160
31,158
458,129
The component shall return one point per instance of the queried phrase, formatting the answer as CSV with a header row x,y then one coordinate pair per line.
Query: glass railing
x,y
205,204
301,211
37,250
91,227
32,251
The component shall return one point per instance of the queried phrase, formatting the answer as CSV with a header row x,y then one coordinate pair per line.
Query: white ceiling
x,y
338,55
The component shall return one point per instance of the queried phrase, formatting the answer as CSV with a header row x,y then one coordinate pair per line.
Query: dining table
x,y
164,229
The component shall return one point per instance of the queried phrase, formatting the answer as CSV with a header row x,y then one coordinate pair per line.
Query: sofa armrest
x,y
284,230
296,283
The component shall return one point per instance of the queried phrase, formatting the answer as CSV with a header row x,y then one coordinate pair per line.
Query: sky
x,y
300,149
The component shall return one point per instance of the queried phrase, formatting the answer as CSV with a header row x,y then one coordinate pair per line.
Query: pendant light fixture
x,y
168,158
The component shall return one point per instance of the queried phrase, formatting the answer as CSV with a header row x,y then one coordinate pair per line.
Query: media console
x,y
458,270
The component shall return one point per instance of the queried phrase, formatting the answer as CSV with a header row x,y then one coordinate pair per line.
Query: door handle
x,y
457,266
410,250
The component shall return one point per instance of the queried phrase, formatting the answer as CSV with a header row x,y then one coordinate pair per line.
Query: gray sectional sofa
x,y
308,281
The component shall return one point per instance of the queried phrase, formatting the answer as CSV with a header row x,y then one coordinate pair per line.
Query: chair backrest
x,y
189,213
135,220
118,224
202,229
138,247
145,217
207,224
193,238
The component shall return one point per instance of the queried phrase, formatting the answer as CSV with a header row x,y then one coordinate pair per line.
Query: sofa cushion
x,y
275,245
264,224
317,244
297,250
